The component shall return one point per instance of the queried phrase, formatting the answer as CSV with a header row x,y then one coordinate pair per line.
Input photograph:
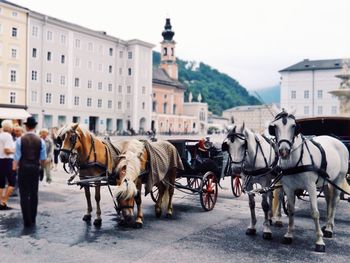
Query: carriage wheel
x,y
236,185
209,191
193,183
155,194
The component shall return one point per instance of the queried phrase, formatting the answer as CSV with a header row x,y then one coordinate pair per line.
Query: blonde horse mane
x,y
130,157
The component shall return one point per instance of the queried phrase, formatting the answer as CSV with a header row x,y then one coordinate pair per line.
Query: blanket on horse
x,y
162,157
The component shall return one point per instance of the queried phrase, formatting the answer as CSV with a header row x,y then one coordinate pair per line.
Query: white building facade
x,y
76,74
306,85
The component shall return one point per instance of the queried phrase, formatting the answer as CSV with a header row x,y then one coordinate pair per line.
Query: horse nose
x,y
130,220
284,152
64,157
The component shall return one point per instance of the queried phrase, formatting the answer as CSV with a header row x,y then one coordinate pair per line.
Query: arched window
x,y
165,51
154,106
164,107
172,51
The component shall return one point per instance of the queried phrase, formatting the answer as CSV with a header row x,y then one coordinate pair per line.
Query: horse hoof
x,y
278,224
250,231
98,222
287,240
168,215
320,248
138,225
327,234
87,218
158,213
267,236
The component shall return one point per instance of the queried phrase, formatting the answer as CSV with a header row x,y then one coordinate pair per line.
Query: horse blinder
x,y
224,146
272,130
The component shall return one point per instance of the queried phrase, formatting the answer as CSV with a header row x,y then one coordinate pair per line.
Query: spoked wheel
x,y
193,183
209,191
236,185
155,194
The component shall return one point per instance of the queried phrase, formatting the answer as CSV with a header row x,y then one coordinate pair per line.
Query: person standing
x,y
57,146
6,159
17,132
30,153
44,134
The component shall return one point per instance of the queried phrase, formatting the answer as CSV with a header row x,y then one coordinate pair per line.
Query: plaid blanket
x,y
162,157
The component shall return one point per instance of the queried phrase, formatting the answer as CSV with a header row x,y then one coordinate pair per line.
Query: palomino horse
x,y
307,164
90,156
140,162
254,156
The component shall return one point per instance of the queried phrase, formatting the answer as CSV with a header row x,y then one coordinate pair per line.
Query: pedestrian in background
x,y
44,134
56,145
17,132
30,154
6,160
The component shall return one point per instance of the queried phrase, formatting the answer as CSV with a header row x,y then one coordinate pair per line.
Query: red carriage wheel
x,y
193,183
236,185
209,191
155,194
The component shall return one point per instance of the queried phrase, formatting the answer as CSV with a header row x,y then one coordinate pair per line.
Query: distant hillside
x,y
269,95
219,90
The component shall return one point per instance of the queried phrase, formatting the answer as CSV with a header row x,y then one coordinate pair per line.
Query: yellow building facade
x,y
13,49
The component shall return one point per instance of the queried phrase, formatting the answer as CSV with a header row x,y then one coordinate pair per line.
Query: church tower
x,y
167,55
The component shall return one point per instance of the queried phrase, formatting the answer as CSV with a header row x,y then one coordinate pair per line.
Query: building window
x,y
76,82
119,105
34,75
306,94
34,53
48,78
143,105
62,99
90,46
13,75
89,84
164,107
109,104
14,14
34,31
320,94
143,90
63,59
34,96
63,80
99,103
319,110
120,54
76,101
111,51
129,71
77,43
49,56
99,86
174,109
63,39
14,32
49,35
165,51
77,62
89,102
48,98
154,106
129,55
110,87
128,89
293,94
172,51
110,69
12,97
306,110
334,110
14,53
120,89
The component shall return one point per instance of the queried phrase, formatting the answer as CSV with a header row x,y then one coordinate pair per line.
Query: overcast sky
x,y
250,40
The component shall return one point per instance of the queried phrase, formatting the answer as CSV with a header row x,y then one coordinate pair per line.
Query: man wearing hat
x,y
30,155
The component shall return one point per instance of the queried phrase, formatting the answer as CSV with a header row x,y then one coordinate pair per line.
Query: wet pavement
x,y
192,235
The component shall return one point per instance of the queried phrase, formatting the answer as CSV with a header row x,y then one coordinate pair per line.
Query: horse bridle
x,y
284,116
231,137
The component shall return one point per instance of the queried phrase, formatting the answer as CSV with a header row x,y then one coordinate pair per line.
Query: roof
x,y
246,108
161,77
307,64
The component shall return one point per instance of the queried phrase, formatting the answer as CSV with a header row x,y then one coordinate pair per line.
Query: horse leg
x,y
251,229
87,216
138,201
265,206
158,205
288,237
320,246
276,206
172,178
98,220
332,200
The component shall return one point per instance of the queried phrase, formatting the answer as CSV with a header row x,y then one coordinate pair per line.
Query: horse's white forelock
x,y
131,159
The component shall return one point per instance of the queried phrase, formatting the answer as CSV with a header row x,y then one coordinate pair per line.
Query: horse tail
x,y
345,185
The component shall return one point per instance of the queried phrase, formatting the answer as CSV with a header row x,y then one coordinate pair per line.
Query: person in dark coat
x,y
30,155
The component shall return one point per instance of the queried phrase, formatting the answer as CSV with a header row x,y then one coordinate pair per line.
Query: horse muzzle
x,y
64,157
284,152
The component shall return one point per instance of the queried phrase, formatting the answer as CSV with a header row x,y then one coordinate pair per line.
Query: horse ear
x,y
243,126
272,130
75,126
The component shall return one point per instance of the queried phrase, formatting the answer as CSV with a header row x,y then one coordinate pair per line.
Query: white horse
x,y
254,156
304,161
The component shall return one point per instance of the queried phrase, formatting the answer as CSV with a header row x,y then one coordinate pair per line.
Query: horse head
x,y
70,137
285,129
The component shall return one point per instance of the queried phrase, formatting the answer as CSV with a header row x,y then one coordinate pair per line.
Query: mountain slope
x,y
269,95
219,90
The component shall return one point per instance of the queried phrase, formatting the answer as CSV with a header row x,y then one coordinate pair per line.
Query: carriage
x,y
203,166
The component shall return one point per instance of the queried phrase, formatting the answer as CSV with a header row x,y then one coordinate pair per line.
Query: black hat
x,y
31,122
